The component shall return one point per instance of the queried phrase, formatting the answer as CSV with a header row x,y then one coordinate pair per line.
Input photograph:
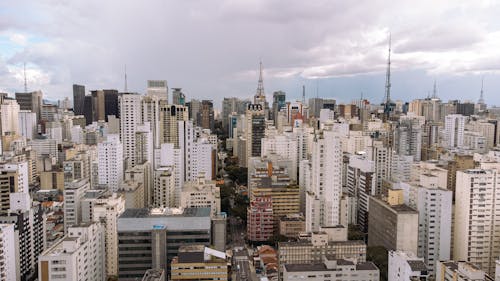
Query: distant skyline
x,y
212,49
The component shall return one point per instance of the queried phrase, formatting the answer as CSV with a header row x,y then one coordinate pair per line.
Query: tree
x,y
379,256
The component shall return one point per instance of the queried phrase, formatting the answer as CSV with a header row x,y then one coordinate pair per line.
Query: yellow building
x,y
285,199
197,262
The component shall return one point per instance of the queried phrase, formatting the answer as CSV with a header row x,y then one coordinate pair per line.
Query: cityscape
x,y
116,184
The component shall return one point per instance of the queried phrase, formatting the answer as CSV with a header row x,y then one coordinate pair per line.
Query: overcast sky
x,y
212,49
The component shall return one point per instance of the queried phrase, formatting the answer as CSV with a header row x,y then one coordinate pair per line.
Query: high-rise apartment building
x,y
158,88
201,193
9,117
78,256
260,223
324,194
170,115
9,257
194,109
73,194
130,118
454,127
360,183
475,226
404,266
110,162
27,124
408,137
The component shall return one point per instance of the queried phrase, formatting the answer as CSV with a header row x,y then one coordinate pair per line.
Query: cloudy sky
x,y
212,49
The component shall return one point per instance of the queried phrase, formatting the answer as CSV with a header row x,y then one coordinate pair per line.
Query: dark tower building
x,y
87,110
78,99
279,101
110,103
206,115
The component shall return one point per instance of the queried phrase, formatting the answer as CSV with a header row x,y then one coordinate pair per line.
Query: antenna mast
x,y
434,91
387,108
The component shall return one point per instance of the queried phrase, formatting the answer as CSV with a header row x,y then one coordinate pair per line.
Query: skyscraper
x,y
255,129
130,117
110,155
324,194
206,119
454,127
279,101
31,101
110,103
477,208
158,88
178,96
78,99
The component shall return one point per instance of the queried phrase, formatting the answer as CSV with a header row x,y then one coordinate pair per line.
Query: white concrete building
x,y
460,271
324,193
9,117
110,162
73,194
477,207
434,206
9,255
78,256
21,168
27,124
168,157
130,117
106,209
406,266
201,193
286,146
454,127
360,182
164,189
45,147
331,270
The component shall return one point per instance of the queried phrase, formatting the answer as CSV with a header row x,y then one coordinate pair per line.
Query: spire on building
x,y
434,91
481,97
260,85
387,100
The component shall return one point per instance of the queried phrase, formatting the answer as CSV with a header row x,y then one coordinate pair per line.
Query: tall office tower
x,y
29,230
87,110
27,124
143,144
405,266
431,109
158,88
151,114
170,115
170,158
324,194
178,96
315,106
31,101
110,104
255,129
78,99
465,108
475,225
454,127
9,117
110,157
9,257
105,209
79,256
164,193
73,194
98,106
200,160
434,206
194,108
361,185
279,102
130,117
15,178
206,117
408,137
485,129
229,105
162,232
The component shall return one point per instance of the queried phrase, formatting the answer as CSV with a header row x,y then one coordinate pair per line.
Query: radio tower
x,y
481,97
126,79
387,101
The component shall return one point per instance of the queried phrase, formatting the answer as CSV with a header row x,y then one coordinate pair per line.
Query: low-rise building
x,y
331,269
405,266
462,270
291,225
197,262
